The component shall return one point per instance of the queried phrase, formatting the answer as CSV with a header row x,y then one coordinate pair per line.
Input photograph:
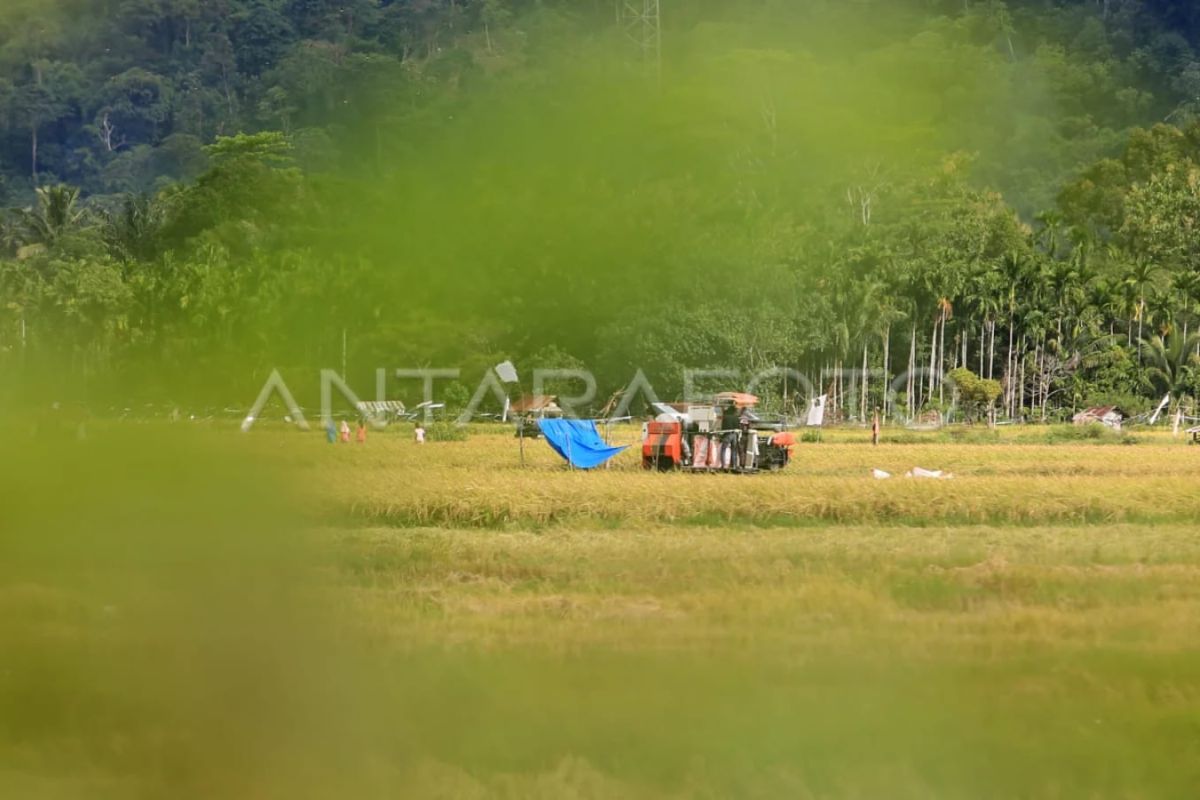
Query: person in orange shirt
x,y
361,434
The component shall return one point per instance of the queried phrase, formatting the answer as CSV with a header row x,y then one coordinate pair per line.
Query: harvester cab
x,y
726,435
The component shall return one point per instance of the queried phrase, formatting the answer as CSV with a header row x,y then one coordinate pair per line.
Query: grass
x,y
449,623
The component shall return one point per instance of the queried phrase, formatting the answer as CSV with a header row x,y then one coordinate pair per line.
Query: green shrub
x,y
1087,433
444,431
976,394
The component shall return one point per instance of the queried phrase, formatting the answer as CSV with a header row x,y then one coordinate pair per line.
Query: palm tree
x,y
938,361
889,309
1049,235
1012,268
1064,287
1129,302
1141,277
57,214
1036,324
1187,289
843,304
1104,298
133,231
11,228
874,312
869,298
1171,363
1034,303
1081,275
1161,310
983,295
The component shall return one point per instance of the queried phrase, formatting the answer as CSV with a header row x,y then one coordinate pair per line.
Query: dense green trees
x,y
84,84
204,191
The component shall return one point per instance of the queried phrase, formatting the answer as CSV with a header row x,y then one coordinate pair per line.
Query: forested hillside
x,y
202,191
120,96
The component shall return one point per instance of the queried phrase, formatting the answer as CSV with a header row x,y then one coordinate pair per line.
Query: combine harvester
x,y
725,435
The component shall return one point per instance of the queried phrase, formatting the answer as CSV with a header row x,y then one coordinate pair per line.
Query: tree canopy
x,y
202,192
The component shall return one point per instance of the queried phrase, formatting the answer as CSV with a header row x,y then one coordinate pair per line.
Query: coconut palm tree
x,y
1050,235
1171,363
133,231
57,214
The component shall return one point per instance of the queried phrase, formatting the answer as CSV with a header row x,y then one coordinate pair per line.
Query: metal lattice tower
x,y
642,23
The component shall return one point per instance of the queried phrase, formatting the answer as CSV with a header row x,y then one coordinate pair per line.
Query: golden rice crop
x,y
930,593
482,483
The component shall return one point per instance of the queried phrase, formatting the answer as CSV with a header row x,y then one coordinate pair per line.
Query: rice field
x,y
1001,480
453,622
1030,628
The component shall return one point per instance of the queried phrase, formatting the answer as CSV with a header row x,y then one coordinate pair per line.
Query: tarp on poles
x,y
577,441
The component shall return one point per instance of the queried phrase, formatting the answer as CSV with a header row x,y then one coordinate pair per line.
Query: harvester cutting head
x,y
662,447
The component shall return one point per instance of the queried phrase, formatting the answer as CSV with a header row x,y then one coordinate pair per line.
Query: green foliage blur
x,y
159,625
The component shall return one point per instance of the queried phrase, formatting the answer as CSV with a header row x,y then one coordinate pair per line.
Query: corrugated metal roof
x,y
534,402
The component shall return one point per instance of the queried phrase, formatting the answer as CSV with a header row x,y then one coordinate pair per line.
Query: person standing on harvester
x,y
730,423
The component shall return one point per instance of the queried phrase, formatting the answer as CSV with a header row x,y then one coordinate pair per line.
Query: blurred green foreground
x,y
174,623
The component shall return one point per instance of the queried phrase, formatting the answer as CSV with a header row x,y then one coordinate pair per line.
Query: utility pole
x,y
641,22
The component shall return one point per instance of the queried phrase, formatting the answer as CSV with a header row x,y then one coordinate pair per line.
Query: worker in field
x,y
749,442
730,425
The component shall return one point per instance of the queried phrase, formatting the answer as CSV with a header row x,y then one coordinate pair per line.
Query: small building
x,y
536,406
384,410
739,399
1108,416
529,409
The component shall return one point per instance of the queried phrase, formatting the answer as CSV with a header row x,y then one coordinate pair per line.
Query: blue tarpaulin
x,y
578,441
